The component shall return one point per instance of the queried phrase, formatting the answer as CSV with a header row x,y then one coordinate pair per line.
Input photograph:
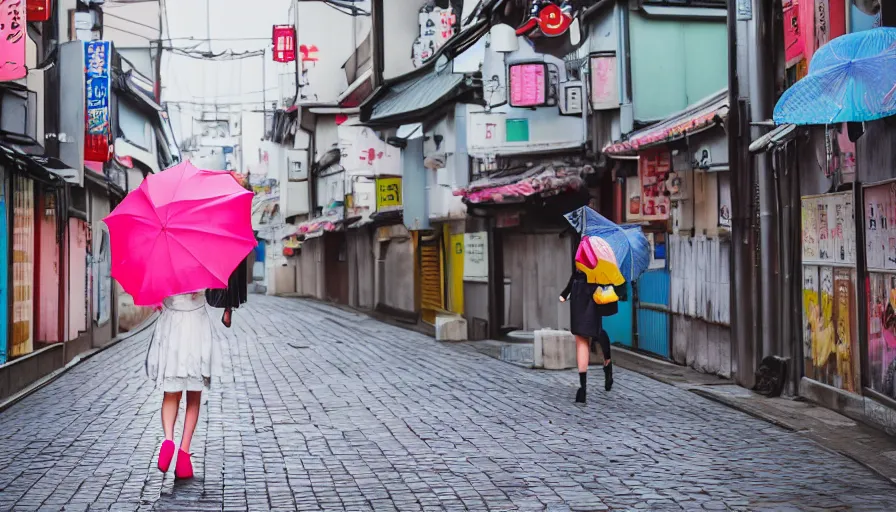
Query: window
x,y
528,85
133,126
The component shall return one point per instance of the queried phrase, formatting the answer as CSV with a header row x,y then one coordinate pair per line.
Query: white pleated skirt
x,y
182,354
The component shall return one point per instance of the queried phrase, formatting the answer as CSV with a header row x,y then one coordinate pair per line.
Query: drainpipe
x,y
761,87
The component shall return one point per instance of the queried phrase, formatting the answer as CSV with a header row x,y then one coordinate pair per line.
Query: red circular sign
x,y
553,21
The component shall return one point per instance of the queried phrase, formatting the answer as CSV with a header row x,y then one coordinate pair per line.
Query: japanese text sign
x,y
96,71
388,193
284,43
12,40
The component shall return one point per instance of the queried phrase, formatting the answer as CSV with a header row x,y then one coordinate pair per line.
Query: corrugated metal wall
x,y
653,312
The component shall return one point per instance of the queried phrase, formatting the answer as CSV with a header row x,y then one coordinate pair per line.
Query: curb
x,y
48,379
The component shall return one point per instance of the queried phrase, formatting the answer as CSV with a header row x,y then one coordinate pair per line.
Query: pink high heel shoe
x,y
166,453
184,468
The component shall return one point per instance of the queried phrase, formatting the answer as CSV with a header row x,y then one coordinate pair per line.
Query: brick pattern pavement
x,y
320,409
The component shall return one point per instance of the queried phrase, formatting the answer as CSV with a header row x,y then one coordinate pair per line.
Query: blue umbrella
x,y
851,79
628,242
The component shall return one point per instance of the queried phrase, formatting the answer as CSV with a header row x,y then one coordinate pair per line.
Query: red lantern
x,y
38,11
288,251
284,41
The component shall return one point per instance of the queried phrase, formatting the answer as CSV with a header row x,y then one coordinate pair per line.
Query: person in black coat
x,y
237,292
235,295
586,324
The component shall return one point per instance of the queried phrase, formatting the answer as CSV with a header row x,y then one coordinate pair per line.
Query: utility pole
x,y
754,247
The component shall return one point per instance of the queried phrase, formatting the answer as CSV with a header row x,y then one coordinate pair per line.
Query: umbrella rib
x,y
197,230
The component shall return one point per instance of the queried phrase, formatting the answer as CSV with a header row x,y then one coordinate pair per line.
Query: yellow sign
x,y
388,193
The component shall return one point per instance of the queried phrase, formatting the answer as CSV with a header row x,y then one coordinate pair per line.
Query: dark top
x,y
585,315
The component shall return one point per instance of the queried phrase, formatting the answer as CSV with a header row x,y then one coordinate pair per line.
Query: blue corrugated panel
x,y
653,287
619,326
653,332
653,325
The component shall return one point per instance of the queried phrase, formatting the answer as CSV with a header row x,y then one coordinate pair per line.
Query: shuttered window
x,y
432,276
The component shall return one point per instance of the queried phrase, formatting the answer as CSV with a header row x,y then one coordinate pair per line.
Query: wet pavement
x,y
321,409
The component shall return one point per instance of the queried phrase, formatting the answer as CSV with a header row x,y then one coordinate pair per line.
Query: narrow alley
x,y
321,409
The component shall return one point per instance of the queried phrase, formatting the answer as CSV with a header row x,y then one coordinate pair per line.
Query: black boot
x,y
583,381
608,376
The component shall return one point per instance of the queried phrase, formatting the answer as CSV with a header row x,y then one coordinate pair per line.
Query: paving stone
x,y
367,416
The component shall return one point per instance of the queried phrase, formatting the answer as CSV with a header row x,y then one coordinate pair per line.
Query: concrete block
x,y
557,349
451,328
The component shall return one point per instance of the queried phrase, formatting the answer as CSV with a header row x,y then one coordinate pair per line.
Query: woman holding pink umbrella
x,y
183,231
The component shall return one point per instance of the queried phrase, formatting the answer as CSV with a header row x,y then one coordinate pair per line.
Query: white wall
x,y
401,29
331,31
441,183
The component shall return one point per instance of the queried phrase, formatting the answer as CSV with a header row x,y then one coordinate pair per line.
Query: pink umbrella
x,y
183,230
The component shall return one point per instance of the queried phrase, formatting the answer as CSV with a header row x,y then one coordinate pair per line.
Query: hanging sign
x,y
98,87
38,11
12,40
437,26
552,18
604,82
284,41
388,193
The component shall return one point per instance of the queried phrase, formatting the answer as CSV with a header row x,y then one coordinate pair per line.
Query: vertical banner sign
x,y
12,40
284,43
97,76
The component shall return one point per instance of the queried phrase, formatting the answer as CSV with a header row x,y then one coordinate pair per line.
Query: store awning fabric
x,y
544,180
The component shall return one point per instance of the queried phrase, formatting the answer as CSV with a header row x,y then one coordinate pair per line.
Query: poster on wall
x,y
604,82
725,200
880,226
880,237
830,325
882,333
388,193
476,257
653,171
633,199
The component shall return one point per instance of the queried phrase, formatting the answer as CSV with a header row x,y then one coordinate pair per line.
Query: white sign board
x,y
476,257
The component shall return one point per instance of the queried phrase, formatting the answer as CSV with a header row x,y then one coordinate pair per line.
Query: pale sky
x,y
236,81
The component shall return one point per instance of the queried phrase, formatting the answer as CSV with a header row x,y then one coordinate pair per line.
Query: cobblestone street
x,y
320,409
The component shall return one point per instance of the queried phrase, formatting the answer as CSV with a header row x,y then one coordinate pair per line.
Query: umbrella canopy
x,y
183,230
627,242
851,79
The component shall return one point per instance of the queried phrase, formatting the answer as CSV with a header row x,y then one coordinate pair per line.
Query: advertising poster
x,y
12,40
809,214
653,170
882,333
96,64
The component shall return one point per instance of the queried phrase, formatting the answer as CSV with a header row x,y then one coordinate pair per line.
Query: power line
x,y
157,29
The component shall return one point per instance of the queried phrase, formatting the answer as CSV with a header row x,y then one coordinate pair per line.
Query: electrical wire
x,y
158,29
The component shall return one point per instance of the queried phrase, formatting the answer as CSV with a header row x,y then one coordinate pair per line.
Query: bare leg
x,y
170,405
583,353
194,401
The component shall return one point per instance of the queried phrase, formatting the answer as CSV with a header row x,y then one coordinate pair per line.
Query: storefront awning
x,y
543,180
403,101
45,169
699,117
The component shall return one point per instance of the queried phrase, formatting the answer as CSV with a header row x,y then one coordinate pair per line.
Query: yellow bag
x,y
605,295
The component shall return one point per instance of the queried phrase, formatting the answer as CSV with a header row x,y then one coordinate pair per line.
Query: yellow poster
x,y
388,193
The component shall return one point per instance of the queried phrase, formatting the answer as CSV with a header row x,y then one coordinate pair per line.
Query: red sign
x,y
38,10
551,19
96,148
284,43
